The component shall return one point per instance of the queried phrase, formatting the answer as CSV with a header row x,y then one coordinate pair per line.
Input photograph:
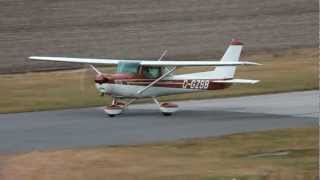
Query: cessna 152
x,y
150,79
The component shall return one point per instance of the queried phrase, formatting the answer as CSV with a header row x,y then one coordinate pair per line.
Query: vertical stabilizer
x,y
231,55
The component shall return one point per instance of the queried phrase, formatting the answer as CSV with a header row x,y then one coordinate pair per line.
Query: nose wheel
x,y
116,107
113,110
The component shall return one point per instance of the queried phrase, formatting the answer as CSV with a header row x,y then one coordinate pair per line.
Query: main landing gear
x,y
117,107
167,109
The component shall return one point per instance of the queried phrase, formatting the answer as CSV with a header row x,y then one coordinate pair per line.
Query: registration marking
x,y
196,84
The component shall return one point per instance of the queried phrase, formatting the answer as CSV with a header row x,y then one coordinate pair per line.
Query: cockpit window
x,y
128,67
152,72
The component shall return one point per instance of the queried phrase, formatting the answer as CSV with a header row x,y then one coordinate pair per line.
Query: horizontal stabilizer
x,y
240,81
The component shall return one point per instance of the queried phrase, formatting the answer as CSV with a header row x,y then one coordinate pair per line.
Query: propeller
x,y
100,78
89,73
95,69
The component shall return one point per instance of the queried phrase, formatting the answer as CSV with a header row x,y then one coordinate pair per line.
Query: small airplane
x,y
136,79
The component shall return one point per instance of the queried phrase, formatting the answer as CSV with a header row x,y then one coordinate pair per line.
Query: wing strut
x,y
157,80
162,55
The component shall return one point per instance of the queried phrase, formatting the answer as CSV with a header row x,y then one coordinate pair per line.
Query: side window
x,y
152,72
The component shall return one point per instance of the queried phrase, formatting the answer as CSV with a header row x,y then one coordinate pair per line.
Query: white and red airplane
x,y
153,78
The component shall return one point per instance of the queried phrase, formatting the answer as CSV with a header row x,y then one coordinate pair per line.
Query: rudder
x,y
231,55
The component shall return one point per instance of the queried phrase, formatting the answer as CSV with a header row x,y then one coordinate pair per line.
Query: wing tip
x,y
255,81
257,64
236,41
251,63
32,57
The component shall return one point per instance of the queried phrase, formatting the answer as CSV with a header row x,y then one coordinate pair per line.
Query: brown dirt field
x,y
188,29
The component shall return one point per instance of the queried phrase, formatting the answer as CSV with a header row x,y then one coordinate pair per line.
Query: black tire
x,y
167,114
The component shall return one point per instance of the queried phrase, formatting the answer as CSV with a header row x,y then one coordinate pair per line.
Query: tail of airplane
x,y
223,74
231,55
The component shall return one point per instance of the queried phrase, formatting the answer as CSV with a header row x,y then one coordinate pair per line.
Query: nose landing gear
x,y
116,107
113,110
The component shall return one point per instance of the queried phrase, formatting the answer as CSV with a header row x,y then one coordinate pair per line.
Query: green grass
x,y
221,158
235,178
289,70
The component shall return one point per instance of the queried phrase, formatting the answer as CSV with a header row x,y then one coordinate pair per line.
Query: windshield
x,y
128,67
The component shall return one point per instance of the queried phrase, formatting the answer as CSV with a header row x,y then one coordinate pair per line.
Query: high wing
x,y
76,60
143,62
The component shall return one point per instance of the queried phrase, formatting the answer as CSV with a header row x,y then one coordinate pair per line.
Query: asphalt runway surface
x,y
143,29
144,124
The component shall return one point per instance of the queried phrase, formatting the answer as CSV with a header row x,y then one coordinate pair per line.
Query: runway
x,y
144,124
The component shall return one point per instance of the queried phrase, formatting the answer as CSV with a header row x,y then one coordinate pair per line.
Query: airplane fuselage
x,y
118,85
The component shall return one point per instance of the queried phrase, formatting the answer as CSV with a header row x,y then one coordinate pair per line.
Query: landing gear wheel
x,y
117,107
167,114
168,109
113,110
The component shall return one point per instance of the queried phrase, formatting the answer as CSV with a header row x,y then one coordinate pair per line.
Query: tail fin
x,y
231,55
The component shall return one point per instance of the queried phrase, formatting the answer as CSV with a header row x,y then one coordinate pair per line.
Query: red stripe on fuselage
x,y
139,80
185,84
